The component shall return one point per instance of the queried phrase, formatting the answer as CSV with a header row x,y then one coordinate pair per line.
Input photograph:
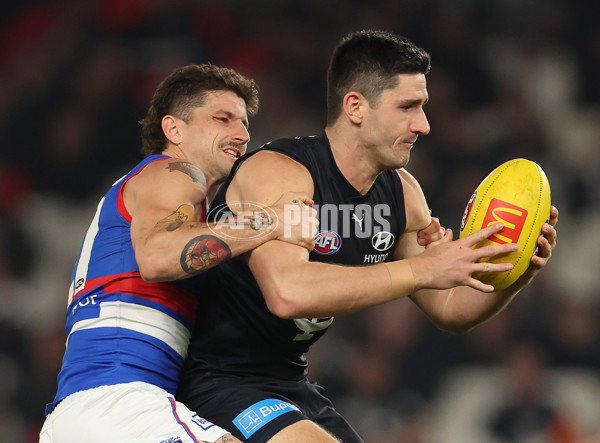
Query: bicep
x,y
407,246
256,182
264,177
418,217
159,199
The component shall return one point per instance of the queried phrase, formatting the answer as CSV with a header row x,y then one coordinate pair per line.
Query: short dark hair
x,y
368,62
184,90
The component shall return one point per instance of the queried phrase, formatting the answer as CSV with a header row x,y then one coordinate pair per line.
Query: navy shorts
x,y
254,410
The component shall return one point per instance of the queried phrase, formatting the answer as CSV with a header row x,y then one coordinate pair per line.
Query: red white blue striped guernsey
x,y
120,328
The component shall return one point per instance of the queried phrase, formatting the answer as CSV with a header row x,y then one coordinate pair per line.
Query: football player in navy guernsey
x,y
246,369
132,299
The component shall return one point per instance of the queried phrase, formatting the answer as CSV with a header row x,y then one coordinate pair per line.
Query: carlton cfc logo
x,y
327,242
512,217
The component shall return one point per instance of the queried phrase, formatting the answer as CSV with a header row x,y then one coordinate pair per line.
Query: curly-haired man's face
x,y
217,134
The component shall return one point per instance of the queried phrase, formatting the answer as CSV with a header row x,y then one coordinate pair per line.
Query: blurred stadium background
x,y
510,78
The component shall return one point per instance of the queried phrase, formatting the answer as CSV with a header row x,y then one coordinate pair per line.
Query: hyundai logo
x,y
383,240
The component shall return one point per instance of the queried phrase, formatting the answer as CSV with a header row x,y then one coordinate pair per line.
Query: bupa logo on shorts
x,y
173,440
327,242
259,414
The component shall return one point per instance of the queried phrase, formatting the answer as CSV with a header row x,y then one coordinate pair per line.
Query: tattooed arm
x,y
170,242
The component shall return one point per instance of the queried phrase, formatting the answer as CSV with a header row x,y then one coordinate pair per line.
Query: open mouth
x,y
233,152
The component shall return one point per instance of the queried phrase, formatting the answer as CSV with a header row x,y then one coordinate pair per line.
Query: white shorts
x,y
128,412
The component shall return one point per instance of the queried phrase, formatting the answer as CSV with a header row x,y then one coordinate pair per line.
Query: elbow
x,y
153,269
152,274
282,302
286,285
152,277
283,310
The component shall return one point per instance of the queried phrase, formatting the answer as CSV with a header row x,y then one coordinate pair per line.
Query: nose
x,y
420,124
241,134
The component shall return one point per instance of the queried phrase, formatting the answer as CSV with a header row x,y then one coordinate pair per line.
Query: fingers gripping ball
x,y
517,194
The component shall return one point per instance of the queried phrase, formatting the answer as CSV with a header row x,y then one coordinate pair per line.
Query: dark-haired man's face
x,y
394,123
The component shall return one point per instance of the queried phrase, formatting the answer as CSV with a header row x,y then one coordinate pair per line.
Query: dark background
x,y
509,78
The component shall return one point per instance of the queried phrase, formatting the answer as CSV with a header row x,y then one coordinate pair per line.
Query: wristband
x,y
402,278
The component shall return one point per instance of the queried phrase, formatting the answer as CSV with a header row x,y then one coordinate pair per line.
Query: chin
x,y
400,162
230,160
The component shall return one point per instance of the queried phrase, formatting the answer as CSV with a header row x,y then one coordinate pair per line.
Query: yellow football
x,y
516,193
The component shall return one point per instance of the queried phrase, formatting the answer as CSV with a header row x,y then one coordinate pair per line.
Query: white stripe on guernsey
x,y
86,253
149,321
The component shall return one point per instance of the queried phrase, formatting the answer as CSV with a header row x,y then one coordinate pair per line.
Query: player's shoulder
x,y
270,165
173,169
285,154
409,183
406,176
301,149
295,142
167,176
272,169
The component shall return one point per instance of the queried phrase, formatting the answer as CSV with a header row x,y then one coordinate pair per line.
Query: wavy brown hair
x,y
184,90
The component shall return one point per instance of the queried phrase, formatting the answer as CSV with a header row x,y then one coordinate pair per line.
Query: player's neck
x,y
351,160
213,180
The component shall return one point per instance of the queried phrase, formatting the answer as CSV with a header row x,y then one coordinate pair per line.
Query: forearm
x,y
189,248
465,308
319,290
462,308
293,287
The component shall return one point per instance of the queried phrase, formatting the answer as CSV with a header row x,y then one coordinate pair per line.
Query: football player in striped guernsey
x,y
138,279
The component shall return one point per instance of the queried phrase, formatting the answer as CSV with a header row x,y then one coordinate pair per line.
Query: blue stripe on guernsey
x,y
119,356
261,413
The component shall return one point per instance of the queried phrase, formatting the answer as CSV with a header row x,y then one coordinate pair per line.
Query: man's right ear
x,y
352,105
171,128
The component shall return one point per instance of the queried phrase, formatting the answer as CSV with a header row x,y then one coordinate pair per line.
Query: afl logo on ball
x,y
467,212
327,242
